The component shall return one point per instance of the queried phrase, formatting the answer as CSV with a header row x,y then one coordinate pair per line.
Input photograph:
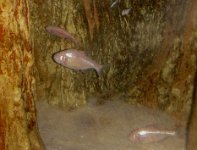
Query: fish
x,y
151,133
76,60
60,32
115,3
126,11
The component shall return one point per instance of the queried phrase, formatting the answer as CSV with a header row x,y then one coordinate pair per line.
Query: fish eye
x,y
61,58
142,133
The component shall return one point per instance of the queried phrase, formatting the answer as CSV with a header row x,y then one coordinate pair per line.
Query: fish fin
x,y
83,53
115,3
102,69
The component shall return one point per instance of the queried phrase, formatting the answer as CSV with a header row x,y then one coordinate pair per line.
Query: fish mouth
x,y
55,58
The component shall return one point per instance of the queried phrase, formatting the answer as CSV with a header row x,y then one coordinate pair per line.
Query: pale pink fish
x,y
76,60
151,133
61,33
115,3
126,11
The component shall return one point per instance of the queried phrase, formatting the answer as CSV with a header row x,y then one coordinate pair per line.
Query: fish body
x,y
57,31
76,60
115,3
126,11
150,133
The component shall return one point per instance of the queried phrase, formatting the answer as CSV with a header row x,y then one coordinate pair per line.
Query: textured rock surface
x,y
192,124
18,128
192,29
125,43
168,82
150,52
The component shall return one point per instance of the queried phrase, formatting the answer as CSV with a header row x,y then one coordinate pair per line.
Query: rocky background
x,y
151,51
18,124
150,55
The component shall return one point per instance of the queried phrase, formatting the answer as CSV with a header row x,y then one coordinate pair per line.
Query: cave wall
x,y
192,122
56,84
124,43
18,127
168,82
150,52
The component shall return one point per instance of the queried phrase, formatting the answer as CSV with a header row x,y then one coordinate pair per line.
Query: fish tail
x,y
101,69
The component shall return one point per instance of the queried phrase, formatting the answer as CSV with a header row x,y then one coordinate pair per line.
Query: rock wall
x,y
168,82
192,123
18,127
150,52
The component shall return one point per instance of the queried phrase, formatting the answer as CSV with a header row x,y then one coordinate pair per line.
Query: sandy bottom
x,y
101,127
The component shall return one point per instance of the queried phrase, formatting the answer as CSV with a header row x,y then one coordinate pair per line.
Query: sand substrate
x,y
102,127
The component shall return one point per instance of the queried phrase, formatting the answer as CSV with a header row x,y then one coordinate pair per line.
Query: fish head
x,y
133,136
137,135
60,57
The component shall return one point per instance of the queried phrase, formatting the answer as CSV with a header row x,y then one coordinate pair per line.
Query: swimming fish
x,y
61,33
114,3
76,60
150,133
126,11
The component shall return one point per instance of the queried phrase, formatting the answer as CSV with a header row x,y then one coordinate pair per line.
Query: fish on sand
x,y
151,133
